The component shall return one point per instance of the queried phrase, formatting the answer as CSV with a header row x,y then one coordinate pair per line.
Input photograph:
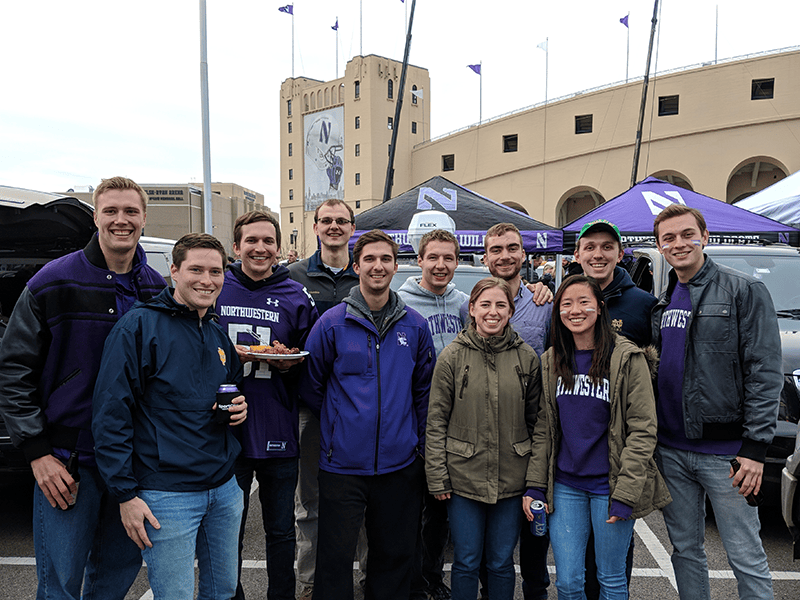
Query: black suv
x,y
778,266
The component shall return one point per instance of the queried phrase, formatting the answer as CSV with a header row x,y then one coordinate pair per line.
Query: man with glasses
x,y
328,276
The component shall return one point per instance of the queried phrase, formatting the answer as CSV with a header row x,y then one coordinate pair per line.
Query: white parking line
x,y
657,550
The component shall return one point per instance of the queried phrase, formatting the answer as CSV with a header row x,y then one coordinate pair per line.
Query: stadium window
x,y
290,127
358,149
290,148
413,127
390,89
510,143
291,215
390,123
291,174
667,105
357,86
448,162
762,89
291,194
413,95
288,108
358,122
583,124
358,178
358,203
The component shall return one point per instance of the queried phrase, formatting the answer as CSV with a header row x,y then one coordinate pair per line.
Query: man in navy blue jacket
x,y
369,370
160,450
49,361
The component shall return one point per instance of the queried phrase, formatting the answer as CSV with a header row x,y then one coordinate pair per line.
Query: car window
x,y
779,273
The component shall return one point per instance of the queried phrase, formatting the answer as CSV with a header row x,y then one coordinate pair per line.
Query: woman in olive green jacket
x,y
483,405
592,459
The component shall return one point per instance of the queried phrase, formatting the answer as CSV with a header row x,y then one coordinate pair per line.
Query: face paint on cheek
x,y
590,309
697,242
665,246
563,312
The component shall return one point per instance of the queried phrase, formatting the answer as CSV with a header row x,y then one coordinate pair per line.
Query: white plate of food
x,y
276,351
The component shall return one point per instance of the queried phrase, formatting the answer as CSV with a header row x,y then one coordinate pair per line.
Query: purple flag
x,y
335,27
476,68
624,20
289,8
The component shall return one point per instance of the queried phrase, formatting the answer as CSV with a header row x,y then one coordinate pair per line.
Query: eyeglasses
x,y
341,222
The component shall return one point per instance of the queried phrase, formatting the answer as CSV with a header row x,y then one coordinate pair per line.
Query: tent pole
x,y
387,190
638,145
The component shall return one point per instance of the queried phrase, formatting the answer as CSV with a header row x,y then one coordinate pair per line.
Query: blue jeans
x,y
575,514
690,476
477,527
89,538
277,479
205,524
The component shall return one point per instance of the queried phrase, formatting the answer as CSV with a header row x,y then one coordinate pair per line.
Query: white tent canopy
x,y
780,201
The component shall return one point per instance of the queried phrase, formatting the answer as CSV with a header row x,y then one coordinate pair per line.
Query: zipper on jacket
x,y
378,367
464,381
369,350
333,434
68,378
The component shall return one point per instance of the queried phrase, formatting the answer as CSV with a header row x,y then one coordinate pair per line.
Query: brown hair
x,y
488,283
334,202
190,241
255,216
119,183
564,344
376,235
498,230
437,235
676,210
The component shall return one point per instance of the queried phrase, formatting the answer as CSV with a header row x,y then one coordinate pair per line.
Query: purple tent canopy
x,y
634,211
473,215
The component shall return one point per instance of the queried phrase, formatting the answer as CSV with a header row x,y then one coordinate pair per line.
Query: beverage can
x,y
539,523
225,394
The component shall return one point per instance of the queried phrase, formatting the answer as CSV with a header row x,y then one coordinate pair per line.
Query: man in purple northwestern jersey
x,y
719,381
260,304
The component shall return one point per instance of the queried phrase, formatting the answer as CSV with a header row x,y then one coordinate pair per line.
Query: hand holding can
x,y
225,395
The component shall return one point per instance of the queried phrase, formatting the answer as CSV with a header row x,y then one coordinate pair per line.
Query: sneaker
x,y
439,592
307,593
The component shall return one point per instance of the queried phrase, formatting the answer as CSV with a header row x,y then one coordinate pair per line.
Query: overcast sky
x,y
95,88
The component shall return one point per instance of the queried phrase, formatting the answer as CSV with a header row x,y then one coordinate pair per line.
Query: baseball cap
x,y
600,225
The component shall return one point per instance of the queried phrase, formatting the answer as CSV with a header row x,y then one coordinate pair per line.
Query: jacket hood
x,y
622,281
279,273
358,307
508,340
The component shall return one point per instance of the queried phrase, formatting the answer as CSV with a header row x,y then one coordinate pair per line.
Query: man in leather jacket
x,y
719,384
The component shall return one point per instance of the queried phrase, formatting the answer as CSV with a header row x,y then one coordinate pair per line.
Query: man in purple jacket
x,y
49,361
369,371
260,304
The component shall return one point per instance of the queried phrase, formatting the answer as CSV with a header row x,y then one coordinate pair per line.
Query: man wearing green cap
x,y
598,250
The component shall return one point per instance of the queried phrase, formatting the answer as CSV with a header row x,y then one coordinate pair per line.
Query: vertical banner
x,y
323,163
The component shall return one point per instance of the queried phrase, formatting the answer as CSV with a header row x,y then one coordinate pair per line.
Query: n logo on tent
x,y
443,201
658,203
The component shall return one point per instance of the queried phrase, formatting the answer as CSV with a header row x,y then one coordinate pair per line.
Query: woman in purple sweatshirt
x,y
593,442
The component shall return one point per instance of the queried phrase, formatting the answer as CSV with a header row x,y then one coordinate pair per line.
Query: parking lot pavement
x,y
652,573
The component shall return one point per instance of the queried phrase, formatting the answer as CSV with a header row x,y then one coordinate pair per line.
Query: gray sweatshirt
x,y
441,312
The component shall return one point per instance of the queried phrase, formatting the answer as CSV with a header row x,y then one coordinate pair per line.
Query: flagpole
x,y
716,36
480,106
207,212
337,48
361,27
628,52
292,15
546,67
